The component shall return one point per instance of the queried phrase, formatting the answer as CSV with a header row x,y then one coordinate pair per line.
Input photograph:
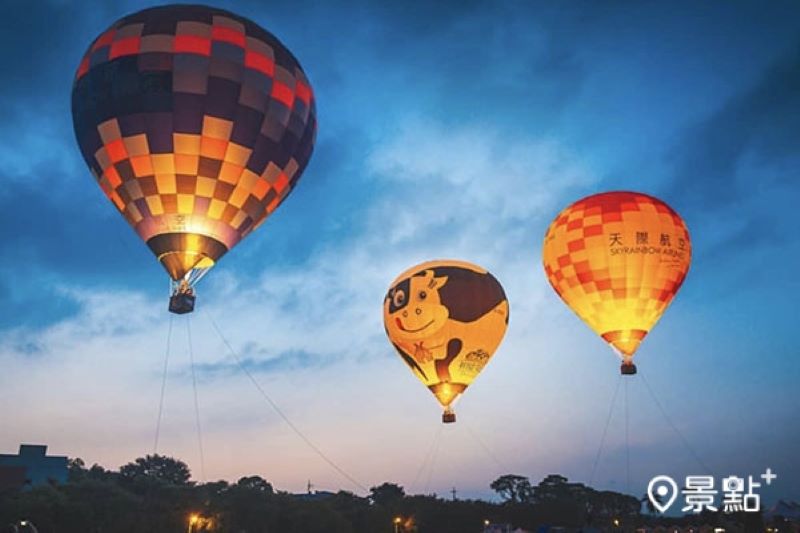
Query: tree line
x,y
155,494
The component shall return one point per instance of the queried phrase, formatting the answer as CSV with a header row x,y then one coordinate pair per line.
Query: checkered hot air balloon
x,y
197,123
618,259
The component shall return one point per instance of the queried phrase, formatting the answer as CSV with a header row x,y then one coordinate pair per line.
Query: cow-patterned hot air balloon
x,y
618,259
446,320
197,123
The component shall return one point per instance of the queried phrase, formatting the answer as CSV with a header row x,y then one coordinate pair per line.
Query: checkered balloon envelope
x,y
197,124
618,259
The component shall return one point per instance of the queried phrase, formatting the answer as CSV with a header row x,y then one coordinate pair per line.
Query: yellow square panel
x,y
248,179
237,154
238,219
239,196
186,143
165,183
205,187
217,128
163,163
230,173
185,204
216,208
154,204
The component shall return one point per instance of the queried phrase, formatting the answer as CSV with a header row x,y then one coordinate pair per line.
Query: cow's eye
x,y
399,298
422,295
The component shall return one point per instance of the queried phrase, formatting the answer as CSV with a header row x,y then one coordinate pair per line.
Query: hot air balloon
x,y
446,320
197,124
617,259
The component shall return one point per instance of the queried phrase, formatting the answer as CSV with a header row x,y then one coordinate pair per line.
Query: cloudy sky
x,y
457,131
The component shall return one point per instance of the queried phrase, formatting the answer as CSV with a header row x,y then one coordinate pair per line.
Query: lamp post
x,y
397,520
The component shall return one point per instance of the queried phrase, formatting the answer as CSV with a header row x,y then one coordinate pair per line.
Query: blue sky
x,y
449,131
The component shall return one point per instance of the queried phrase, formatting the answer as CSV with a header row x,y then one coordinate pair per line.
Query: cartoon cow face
x,y
413,308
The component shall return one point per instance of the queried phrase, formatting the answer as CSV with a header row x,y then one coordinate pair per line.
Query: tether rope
x,y
196,403
486,448
683,439
427,458
433,464
163,387
627,443
278,410
605,431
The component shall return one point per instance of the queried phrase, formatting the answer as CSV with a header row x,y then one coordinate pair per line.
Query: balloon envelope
x,y
446,319
197,123
618,259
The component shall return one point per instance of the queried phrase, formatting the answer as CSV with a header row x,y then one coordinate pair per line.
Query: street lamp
x,y
194,518
397,521
28,526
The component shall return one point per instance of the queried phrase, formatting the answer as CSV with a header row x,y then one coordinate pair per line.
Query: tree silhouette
x,y
255,483
514,489
387,494
157,468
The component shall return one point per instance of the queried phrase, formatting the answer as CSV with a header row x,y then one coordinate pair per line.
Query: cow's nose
x,y
418,311
405,314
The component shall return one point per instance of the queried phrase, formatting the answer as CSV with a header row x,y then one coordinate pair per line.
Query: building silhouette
x,y
31,467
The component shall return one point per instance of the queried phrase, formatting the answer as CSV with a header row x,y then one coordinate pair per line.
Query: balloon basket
x,y
181,303
448,417
627,369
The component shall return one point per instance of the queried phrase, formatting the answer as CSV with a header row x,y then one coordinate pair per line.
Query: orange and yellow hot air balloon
x,y
617,259
446,320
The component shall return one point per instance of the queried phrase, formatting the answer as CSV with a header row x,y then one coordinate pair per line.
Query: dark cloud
x,y
764,121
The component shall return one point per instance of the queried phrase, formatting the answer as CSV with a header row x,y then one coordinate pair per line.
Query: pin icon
x,y
658,489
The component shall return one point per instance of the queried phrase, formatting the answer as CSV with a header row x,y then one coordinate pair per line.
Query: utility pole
x,y
310,487
454,492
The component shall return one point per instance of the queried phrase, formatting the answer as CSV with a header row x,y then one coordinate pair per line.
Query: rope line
x,y
163,387
683,439
196,403
433,463
486,449
427,457
605,431
278,410
627,443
